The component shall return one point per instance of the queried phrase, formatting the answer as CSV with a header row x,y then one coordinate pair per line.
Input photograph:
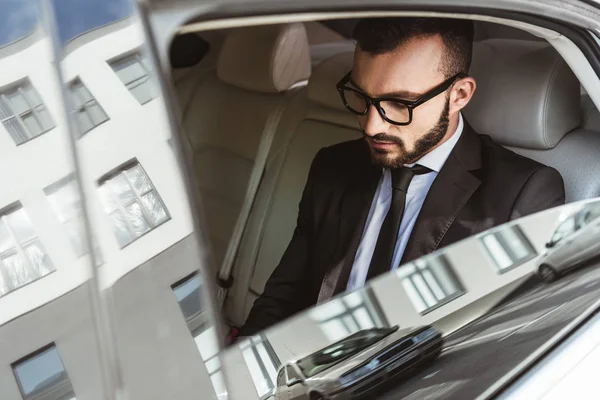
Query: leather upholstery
x,y
526,95
321,86
591,116
266,59
224,122
273,217
576,158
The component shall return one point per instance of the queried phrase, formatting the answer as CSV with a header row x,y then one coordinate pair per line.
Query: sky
x,y
19,17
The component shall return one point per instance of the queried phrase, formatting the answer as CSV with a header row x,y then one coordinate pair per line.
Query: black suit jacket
x,y
481,185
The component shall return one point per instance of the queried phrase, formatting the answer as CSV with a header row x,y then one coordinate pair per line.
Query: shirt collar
x,y
435,159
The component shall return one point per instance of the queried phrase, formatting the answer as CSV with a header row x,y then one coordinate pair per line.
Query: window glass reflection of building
x,y
22,256
132,203
429,283
344,316
133,72
188,295
23,113
42,375
66,204
508,247
86,110
262,362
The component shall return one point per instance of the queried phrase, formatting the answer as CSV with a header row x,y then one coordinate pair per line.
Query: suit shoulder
x,y
342,156
350,148
507,161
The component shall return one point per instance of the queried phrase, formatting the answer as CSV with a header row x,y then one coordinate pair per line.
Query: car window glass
x,y
336,353
591,214
565,229
146,251
482,295
49,295
291,374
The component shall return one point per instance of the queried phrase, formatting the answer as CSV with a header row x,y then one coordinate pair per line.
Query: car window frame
x,y
288,378
281,378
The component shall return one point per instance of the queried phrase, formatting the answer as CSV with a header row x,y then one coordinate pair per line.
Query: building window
x,y
349,314
23,113
42,375
429,283
22,256
508,247
132,203
66,204
188,295
134,73
262,362
86,110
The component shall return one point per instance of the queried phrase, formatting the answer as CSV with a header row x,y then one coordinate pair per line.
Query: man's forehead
x,y
411,69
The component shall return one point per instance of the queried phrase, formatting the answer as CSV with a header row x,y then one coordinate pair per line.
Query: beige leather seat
x,y
273,218
224,117
529,100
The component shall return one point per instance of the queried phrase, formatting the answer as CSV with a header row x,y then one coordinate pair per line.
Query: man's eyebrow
x,y
401,94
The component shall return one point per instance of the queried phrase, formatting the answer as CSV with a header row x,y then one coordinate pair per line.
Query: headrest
x,y
321,85
526,95
266,59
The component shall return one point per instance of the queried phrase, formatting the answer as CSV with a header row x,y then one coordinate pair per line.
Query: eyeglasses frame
x,y
410,105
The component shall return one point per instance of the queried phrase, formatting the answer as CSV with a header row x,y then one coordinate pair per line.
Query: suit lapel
x,y
448,194
354,210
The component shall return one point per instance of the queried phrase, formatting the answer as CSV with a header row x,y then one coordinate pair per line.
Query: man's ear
x,y
461,94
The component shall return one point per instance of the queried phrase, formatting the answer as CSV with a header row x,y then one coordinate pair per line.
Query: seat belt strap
x,y
225,278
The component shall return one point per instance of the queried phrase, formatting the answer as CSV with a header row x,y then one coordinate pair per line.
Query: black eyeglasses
x,y
395,111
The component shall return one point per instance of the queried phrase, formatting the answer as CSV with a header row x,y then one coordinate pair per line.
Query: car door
x,y
588,244
565,249
281,391
298,390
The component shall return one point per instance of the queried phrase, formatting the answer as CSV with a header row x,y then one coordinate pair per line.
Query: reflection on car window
x,y
429,283
592,213
262,362
347,315
337,352
508,248
187,291
564,229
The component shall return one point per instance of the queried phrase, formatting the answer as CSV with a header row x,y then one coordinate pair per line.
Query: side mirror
x,y
549,245
293,382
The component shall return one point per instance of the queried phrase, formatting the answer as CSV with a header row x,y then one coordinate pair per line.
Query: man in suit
x,y
418,180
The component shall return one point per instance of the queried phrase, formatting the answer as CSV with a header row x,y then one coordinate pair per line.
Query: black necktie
x,y
388,234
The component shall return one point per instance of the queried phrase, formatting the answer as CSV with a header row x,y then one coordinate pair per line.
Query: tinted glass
x,y
153,293
49,298
496,297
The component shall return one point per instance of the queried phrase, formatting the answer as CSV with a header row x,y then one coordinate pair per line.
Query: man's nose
x,y
373,123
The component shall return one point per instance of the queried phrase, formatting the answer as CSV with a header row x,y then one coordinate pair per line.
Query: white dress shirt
x,y
415,196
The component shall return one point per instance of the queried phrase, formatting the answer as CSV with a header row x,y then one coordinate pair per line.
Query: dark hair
x,y
382,35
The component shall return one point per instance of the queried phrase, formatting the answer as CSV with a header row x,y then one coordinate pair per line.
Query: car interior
x,y
270,90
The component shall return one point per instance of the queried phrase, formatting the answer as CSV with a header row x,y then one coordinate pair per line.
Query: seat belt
x,y
224,276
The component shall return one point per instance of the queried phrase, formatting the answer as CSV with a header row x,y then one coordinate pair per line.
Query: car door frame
x,y
298,390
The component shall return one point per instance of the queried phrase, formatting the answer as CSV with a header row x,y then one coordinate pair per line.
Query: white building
x,y
139,214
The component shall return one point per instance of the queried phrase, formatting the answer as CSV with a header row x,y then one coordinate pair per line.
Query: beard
x,y
382,158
